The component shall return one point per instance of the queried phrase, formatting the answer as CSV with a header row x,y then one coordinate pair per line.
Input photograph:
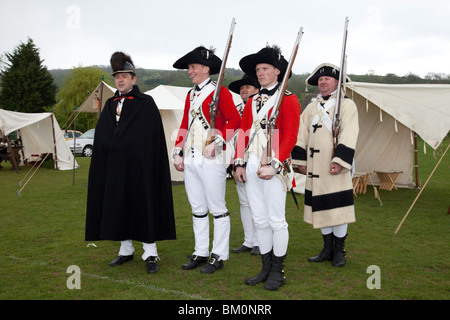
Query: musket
x,y
340,90
273,118
215,99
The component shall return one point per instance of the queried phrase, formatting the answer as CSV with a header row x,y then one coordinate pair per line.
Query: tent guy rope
x,y
414,202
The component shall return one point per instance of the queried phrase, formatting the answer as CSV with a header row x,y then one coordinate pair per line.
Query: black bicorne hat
x,y
325,69
121,63
235,86
202,56
270,55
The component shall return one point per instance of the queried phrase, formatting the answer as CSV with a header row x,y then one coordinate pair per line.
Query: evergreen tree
x,y
27,85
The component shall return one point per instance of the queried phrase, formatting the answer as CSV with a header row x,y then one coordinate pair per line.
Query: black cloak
x,y
129,189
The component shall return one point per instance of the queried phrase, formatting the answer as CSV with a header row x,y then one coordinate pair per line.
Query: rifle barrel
x,y
341,86
282,90
286,75
215,99
224,60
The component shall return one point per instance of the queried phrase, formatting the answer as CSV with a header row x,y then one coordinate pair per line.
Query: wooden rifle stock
x,y
340,91
213,106
282,90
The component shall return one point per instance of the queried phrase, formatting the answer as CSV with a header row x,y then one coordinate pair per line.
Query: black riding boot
x,y
339,252
266,267
276,277
327,252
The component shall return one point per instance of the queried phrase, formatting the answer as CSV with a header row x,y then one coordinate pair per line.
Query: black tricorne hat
x,y
270,55
121,63
235,86
202,56
325,69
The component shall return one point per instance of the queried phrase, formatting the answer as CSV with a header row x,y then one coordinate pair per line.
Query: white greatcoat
x,y
328,198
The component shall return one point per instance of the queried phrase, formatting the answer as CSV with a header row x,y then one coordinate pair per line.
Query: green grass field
x,y
42,234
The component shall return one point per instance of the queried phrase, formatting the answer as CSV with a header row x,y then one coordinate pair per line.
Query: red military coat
x,y
287,124
227,119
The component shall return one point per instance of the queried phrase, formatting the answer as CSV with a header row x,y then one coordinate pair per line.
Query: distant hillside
x,y
148,79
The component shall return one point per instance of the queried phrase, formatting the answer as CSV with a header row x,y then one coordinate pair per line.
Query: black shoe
x,y
241,249
194,262
120,260
255,251
151,265
213,264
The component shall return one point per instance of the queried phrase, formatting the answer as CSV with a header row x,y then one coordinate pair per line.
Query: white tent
x,y
389,115
41,134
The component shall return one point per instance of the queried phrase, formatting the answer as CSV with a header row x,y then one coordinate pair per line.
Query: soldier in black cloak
x,y
129,191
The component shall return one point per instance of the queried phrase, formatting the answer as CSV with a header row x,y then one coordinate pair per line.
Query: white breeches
x,y
205,183
267,199
250,238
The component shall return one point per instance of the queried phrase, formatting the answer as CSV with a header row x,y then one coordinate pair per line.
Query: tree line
x,y
148,79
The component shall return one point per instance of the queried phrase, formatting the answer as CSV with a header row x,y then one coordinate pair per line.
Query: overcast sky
x,y
392,36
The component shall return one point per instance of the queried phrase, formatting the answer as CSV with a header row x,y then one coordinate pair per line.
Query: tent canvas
x,y
388,117
102,92
422,108
40,133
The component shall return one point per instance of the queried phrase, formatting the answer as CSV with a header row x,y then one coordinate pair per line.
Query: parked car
x,y
84,144
70,134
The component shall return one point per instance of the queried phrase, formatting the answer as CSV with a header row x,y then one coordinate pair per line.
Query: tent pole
x,y
54,143
409,210
416,162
